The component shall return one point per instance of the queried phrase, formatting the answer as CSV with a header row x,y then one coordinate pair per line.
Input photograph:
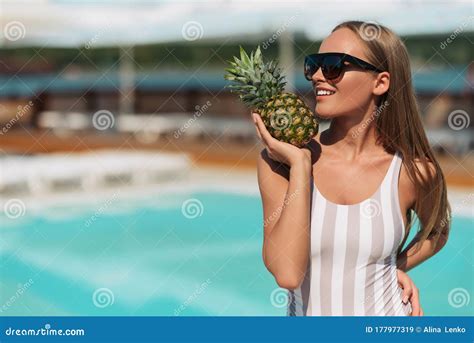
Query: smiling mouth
x,y
323,92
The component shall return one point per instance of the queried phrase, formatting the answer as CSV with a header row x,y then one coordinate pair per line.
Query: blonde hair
x,y
399,128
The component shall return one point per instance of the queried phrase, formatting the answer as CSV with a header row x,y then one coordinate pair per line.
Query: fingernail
x,y
405,299
254,116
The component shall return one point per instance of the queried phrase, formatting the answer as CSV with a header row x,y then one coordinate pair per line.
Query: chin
x,y
324,112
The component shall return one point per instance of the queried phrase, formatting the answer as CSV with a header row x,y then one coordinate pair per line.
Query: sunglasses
x,y
332,64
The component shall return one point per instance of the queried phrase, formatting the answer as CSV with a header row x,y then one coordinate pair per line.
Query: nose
x,y
318,76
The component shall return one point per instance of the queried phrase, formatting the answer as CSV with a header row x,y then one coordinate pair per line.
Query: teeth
x,y
324,92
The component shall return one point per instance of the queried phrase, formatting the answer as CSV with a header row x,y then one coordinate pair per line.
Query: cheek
x,y
354,92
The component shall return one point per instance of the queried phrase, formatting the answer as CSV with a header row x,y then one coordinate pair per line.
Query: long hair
x,y
399,128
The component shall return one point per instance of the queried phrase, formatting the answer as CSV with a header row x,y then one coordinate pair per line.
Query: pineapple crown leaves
x,y
255,81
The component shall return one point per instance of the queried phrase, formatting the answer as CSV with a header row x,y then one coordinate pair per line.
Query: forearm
x,y
412,256
287,249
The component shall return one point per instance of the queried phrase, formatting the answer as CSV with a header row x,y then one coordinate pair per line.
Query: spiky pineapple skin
x,y
288,119
261,86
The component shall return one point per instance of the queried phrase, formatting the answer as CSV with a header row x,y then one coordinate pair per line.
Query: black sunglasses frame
x,y
315,61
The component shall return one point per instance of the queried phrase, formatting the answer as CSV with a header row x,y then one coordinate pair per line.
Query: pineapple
x,y
260,86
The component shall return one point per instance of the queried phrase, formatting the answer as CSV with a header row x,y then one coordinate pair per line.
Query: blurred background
x,y
127,171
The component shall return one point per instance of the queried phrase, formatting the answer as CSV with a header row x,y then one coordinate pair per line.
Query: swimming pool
x,y
188,254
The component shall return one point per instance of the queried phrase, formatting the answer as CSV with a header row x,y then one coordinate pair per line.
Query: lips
x,y
321,90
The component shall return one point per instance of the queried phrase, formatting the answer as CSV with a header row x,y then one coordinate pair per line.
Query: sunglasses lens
x,y
332,67
310,68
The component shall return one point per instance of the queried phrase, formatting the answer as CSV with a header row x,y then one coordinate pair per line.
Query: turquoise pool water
x,y
152,257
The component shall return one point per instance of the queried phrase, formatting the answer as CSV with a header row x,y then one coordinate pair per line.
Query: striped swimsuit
x,y
352,268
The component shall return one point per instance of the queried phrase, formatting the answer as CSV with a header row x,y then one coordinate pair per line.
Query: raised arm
x,y
284,177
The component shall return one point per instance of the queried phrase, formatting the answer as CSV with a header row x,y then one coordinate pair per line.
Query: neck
x,y
354,135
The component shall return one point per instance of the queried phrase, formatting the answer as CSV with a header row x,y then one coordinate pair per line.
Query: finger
x,y
415,302
257,128
407,290
263,143
266,137
258,132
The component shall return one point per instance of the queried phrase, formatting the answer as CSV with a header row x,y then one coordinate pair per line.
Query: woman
x,y
341,207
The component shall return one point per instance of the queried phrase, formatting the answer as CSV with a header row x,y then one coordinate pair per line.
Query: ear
x,y
382,83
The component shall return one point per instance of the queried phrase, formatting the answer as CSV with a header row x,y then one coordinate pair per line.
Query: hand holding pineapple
x,y
281,151
260,86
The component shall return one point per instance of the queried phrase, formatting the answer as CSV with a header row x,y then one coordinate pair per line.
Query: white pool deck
x,y
160,177
48,173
